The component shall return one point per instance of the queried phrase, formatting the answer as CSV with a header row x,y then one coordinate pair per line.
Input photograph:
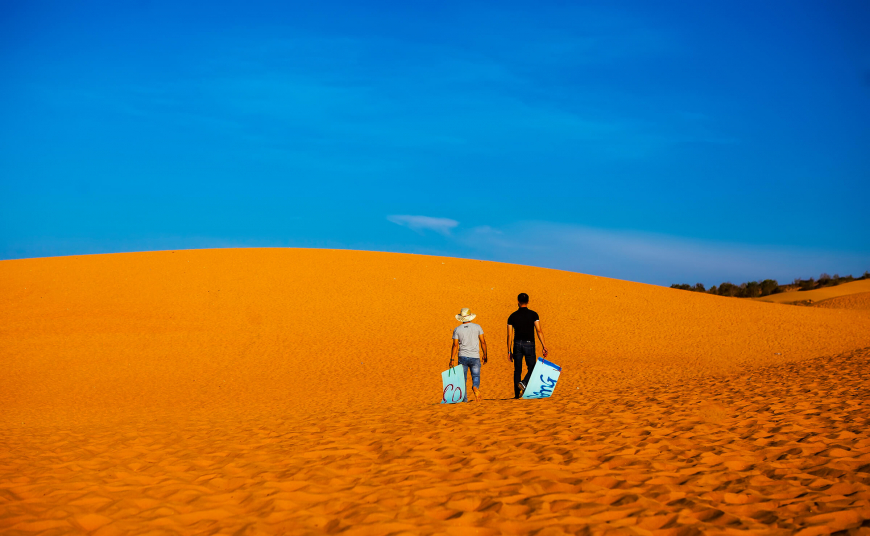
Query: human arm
x,y
482,347
510,342
540,331
454,351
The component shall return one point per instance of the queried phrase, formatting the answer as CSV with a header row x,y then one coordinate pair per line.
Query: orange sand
x,y
295,391
819,294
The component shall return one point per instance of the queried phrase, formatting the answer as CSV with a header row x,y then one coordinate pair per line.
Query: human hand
x,y
511,356
545,352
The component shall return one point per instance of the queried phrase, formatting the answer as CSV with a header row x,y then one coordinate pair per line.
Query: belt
x,y
517,340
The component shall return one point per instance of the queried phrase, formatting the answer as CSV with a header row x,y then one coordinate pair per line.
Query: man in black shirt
x,y
522,326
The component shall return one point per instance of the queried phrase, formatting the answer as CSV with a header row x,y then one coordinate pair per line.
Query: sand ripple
x,y
776,450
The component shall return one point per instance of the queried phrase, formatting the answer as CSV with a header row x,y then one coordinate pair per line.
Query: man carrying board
x,y
470,344
522,326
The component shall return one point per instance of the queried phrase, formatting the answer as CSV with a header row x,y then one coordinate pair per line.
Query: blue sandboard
x,y
453,382
543,380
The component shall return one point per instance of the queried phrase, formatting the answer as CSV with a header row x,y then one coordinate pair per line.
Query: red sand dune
x,y
280,390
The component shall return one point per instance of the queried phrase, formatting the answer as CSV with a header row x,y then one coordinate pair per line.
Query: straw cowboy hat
x,y
465,315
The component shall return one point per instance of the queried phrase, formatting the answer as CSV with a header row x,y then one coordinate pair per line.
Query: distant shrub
x,y
751,289
754,289
768,287
728,289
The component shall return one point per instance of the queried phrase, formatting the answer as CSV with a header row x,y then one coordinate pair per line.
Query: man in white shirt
x,y
469,343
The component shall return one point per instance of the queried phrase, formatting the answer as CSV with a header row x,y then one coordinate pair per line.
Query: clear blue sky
x,y
653,141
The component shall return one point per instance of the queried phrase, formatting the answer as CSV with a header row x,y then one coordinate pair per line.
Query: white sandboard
x,y
453,381
543,380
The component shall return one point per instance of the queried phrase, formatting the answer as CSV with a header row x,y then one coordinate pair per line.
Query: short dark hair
x,y
523,298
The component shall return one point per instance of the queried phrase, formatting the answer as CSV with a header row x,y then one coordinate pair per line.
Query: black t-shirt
x,y
523,321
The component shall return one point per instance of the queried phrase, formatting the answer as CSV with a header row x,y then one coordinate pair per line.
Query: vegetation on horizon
x,y
755,289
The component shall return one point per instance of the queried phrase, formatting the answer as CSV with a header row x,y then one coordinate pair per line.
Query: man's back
x,y
523,322
468,336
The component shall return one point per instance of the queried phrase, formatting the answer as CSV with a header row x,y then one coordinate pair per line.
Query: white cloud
x,y
420,223
486,229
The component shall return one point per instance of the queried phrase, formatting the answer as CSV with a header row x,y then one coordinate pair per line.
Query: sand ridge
x,y
819,294
270,390
855,302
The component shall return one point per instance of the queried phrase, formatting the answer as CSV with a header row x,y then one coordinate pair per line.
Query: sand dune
x,y
819,294
274,390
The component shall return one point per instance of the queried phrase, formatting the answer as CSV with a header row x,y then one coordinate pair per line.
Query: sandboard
x,y
453,381
543,380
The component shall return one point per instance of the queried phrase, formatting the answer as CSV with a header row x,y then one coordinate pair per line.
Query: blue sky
x,y
652,141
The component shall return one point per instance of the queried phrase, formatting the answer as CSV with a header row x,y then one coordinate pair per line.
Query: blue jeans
x,y
472,363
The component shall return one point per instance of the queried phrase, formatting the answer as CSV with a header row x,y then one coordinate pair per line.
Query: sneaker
x,y
522,389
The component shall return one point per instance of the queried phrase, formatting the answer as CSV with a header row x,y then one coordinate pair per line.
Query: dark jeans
x,y
523,349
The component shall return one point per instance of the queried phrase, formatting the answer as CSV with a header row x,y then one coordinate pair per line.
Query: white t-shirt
x,y
467,335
